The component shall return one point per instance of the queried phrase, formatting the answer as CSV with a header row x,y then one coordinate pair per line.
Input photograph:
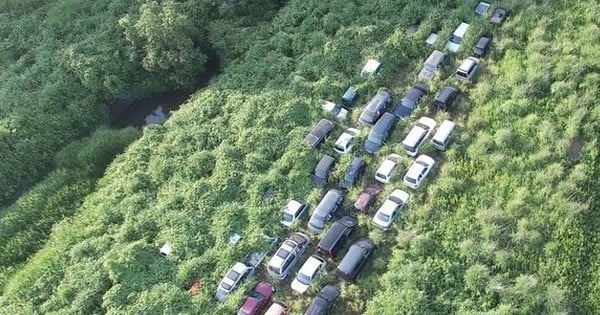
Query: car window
x,y
287,263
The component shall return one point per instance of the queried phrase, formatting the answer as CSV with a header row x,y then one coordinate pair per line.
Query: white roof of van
x,y
461,30
444,129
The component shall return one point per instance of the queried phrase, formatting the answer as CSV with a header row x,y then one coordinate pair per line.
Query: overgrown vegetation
x,y
506,225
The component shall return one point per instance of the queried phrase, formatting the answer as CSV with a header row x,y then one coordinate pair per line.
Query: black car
x,y
355,171
323,301
318,133
411,100
355,258
336,236
321,172
482,47
446,97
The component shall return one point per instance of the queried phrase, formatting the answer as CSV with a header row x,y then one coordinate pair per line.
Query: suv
x,y
321,172
323,301
411,100
355,258
376,107
467,69
325,210
259,299
482,47
307,274
355,171
336,236
293,211
366,198
231,280
386,169
418,171
318,133
345,142
446,97
390,209
417,135
380,132
287,255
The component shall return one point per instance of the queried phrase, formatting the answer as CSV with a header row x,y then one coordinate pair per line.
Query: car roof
x,y
467,64
293,206
446,92
461,29
331,196
415,170
384,123
435,57
444,129
386,167
311,265
414,135
387,207
264,288
351,258
324,164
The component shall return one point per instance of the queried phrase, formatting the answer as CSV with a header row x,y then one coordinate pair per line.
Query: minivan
x,y
355,258
467,69
455,41
380,133
336,236
321,172
436,60
325,210
354,173
417,135
441,139
376,107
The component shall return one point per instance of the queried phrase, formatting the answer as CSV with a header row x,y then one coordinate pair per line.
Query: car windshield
x,y
288,217
282,253
411,180
396,200
422,163
340,147
379,175
275,270
302,278
383,217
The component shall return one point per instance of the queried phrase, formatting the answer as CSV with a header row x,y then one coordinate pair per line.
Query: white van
x,y
455,41
441,139
417,135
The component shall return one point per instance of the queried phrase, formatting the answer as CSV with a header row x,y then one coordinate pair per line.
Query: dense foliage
x,y
508,224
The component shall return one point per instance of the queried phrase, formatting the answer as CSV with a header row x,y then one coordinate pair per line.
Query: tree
x,y
163,38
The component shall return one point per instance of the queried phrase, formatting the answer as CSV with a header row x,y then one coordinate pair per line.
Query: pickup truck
x,y
318,133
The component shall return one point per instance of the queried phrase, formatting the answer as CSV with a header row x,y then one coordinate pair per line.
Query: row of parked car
x,y
375,114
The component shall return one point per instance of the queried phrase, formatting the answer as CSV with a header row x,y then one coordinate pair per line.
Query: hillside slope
x,y
504,226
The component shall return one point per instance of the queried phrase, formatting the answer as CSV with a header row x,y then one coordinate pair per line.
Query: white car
x,y
293,211
345,142
390,209
336,110
418,171
231,280
386,169
308,273
417,135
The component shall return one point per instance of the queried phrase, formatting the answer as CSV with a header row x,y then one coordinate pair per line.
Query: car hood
x,y
299,286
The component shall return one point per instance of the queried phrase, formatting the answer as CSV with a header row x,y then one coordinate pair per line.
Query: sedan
x,y
418,171
231,280
308,273
336,110
390,209
259,299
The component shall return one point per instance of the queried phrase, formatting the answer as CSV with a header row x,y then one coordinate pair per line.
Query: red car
x,y
259,299
366,198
